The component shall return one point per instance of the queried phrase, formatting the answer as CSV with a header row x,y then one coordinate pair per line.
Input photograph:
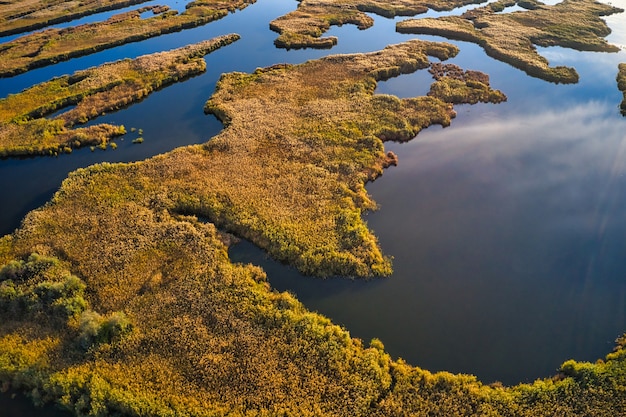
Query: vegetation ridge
x,y
18,16
53,45
25,131
510,37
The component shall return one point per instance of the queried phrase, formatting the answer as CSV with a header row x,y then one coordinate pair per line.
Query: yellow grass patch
x,y
304,27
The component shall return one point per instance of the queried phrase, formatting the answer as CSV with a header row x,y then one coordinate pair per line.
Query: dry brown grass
x,y
53,45
17,16
304,27
510,37
24,130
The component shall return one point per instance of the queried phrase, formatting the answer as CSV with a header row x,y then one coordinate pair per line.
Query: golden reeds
x,y
510,37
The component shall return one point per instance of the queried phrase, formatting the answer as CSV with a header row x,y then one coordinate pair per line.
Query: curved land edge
x,y
141,313
25,131
304,27
621,85
510,37
53,45
18,16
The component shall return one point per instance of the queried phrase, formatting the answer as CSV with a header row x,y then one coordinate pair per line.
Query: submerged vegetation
x,y
17,16
304,27
510,37
53,45
621,84
24,129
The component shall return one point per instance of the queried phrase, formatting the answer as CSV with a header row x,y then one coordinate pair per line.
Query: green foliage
x,y
59,301
22,270
95,329
304,27
510,37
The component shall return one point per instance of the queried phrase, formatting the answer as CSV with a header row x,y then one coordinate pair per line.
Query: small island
x,y
510,37
304,27
53,45
25,130
18,16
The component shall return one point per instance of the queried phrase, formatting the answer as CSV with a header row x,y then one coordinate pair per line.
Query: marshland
x,y
513,208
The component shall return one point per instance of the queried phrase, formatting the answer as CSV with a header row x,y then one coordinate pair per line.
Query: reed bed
x,y
511,37
18,16
26,131
304,27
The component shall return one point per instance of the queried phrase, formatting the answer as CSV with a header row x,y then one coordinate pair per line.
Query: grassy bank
x,y
53,45
18,16
304,27
117,300
621,84
510,37
25,130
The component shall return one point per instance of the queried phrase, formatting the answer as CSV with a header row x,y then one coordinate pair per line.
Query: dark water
x,y
507,228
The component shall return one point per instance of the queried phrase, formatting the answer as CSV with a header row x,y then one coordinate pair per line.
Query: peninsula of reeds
x,y
50,46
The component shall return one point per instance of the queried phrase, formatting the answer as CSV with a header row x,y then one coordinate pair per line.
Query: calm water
x,y
507,228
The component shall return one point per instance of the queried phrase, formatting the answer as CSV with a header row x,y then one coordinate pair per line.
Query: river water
x,y
507,228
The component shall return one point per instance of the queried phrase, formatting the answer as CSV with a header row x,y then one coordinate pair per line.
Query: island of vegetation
x,y
17,16
25,131
511,37
118,296
621,84
53,45
304,27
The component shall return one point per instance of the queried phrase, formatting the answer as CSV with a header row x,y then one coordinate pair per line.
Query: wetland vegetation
x,y
25,130
146,315
18,16
510,37
118,296
53,45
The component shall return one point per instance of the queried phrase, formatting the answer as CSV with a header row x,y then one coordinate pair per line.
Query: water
x,y
506,228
